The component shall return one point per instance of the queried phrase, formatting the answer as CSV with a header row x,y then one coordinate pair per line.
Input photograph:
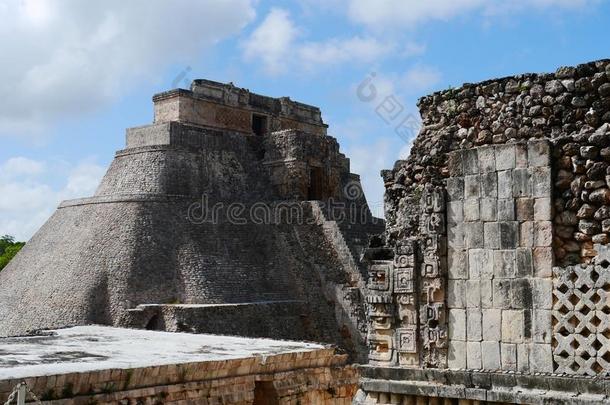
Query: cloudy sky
x,y
75,74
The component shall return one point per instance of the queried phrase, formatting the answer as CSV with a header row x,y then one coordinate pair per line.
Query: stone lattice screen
x,y
500,257
581,319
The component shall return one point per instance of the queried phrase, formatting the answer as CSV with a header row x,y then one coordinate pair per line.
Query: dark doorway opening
x,y
265,393
317,184
154,323
259,124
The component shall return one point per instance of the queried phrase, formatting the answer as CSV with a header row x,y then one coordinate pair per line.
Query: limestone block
x,y
509,235
474,235
471,186
522,186
541,181
543,233
456,297
539,153
524,209
501,293
523,262
473,355
541,358
490,355
455,213
523,357
471,209
508,355
457,354
492,324
487,293
505,184
505,157
473,294
455,188
506,209
512,326
456,237
520,156
491,231
457,324
476,262
488,208
474,325
471,161
504,264
489,185
526,234
542,209
542,291
542,326
543,261
487,159
522,294
457,261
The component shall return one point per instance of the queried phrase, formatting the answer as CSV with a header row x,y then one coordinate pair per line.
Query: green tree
x,y
8,249
6,241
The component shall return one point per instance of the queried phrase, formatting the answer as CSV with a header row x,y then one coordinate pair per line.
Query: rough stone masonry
x,y
234,213
491,281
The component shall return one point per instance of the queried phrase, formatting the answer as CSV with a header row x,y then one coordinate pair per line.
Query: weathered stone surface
x,y
473,356
490,355
506,209
600,196
456,294
457,324
457,354
509,356
512,326
524,209
474,325
492,324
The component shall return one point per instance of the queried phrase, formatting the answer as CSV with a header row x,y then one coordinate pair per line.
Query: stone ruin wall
x,y
494,254
316,377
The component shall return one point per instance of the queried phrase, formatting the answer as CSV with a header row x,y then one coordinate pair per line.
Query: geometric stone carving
x,y
403,280
407,339
379,276
431,291
380,312
581,319
406,309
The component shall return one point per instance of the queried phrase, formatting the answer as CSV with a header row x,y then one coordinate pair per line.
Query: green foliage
x,y
5,241
8,249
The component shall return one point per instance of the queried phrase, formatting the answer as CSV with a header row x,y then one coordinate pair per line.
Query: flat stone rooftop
x,y
92,348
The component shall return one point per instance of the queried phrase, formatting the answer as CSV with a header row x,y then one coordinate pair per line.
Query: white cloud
x,y
27,199
271,41
21,166
278,45
338,51
420,77
68,56
404,14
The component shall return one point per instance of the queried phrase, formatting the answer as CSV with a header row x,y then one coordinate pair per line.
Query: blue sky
x,y
76,74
